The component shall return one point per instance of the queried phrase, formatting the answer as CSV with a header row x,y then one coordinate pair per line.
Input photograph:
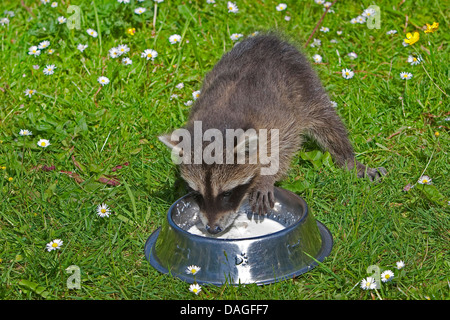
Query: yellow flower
x,y
10,179
432,28
436,134
411,39
131,31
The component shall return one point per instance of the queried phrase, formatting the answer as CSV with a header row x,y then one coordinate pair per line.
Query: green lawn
x,y
104,146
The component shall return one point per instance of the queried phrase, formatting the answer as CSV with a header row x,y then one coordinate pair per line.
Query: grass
x,y
93,130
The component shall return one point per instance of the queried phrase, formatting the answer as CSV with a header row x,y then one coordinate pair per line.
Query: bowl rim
x,y
275,234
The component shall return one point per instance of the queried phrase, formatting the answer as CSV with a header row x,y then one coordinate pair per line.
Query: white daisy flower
x,y
29,92
158,1
180,85
54,4
49,69
387,276
45,1
316,43
61,20
327,4
25,132
255,33
123,48
92,33
149,54
193,269
210,1
369,12
391,32
333,41
81,47
368,283
339,32
400,264
175,38
347,73
281,7
352,55
405,75
196,94
414,60
333,104
353,21
44,143
195,288
54,245
319,1
324,29
317,58
34,51
188,103
44,44
4,21
127,61
236,36
103,80
287,18
51,51
139,10
361,19
114,52
103,210
232,7
424,180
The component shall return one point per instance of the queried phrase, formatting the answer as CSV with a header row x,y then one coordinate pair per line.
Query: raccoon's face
x,y
219,192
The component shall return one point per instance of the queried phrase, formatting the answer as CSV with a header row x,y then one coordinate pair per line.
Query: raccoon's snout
x,y
214,229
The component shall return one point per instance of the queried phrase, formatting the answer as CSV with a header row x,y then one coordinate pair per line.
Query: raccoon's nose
x,y
213,230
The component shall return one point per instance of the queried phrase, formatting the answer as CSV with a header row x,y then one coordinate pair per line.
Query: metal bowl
x,y
265,259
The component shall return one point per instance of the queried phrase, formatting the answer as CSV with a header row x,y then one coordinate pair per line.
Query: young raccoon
x,y
262,83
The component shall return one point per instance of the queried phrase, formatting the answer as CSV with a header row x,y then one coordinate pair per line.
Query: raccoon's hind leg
x,y
330,133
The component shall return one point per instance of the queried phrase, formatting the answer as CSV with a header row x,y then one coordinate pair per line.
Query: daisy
x,y
368,283
193,270
54,245
210,1
44,143
123,48
253,34
405,75
333,104
347,73
103,80
81,47
34,51
188,103
236,36
4,21
61,20
339,32
317,58
324,29
92,33
174,38
281,7
35,66
369,12
158,1
353,21
352,55
49,69
424,180
360,19
103,210
414,60
114,53
327,5
54,4
391,32
44,44
287,18
316,43
149,54
195,288
319,1
25,132
45,1
400,264
387,276
139,10
232,7
196,94
127,61
180,85
51,51
29,92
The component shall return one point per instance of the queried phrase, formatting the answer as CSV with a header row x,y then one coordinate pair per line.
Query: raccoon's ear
x,y
173,145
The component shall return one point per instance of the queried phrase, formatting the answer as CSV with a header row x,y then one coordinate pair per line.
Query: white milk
x,y
242,227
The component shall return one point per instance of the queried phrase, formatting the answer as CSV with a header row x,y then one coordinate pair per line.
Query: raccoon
x,y
264,82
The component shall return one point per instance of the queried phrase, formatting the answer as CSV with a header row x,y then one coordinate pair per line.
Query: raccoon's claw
x,y
374,174
261,201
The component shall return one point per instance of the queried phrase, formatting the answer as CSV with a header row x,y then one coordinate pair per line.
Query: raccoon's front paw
x,y
374,174
262,200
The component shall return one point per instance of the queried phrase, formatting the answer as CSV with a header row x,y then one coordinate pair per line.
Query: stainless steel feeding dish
x,y
263,259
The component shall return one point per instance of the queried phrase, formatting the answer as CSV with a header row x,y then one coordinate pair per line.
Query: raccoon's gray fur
x,y
262,83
